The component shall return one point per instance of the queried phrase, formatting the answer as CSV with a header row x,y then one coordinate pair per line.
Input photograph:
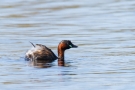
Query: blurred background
x,y
104,30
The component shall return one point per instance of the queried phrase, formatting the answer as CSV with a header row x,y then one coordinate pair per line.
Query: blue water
x,y
103,30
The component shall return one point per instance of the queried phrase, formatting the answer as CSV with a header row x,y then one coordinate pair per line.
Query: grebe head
x,y
66,44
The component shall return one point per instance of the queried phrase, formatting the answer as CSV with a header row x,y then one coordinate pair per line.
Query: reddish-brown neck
x,y
61,51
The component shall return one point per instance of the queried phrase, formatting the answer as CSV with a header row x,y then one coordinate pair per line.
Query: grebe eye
x,y
70,46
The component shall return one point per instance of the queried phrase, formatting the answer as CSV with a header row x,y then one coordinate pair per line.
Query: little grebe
x,y
41,53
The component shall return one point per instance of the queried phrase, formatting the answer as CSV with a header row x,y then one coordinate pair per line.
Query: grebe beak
x,y
74,46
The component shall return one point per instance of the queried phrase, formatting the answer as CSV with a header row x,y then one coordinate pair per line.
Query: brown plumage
x,y
40,53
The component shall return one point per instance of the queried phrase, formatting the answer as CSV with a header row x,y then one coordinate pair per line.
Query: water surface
x,y
103,30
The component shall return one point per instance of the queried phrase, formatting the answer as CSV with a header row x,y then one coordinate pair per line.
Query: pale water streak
x,y
104,31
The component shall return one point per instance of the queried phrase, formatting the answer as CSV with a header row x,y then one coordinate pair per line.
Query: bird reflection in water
x,y
40,64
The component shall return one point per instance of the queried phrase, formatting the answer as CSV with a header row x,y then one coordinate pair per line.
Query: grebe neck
x,y
61,61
